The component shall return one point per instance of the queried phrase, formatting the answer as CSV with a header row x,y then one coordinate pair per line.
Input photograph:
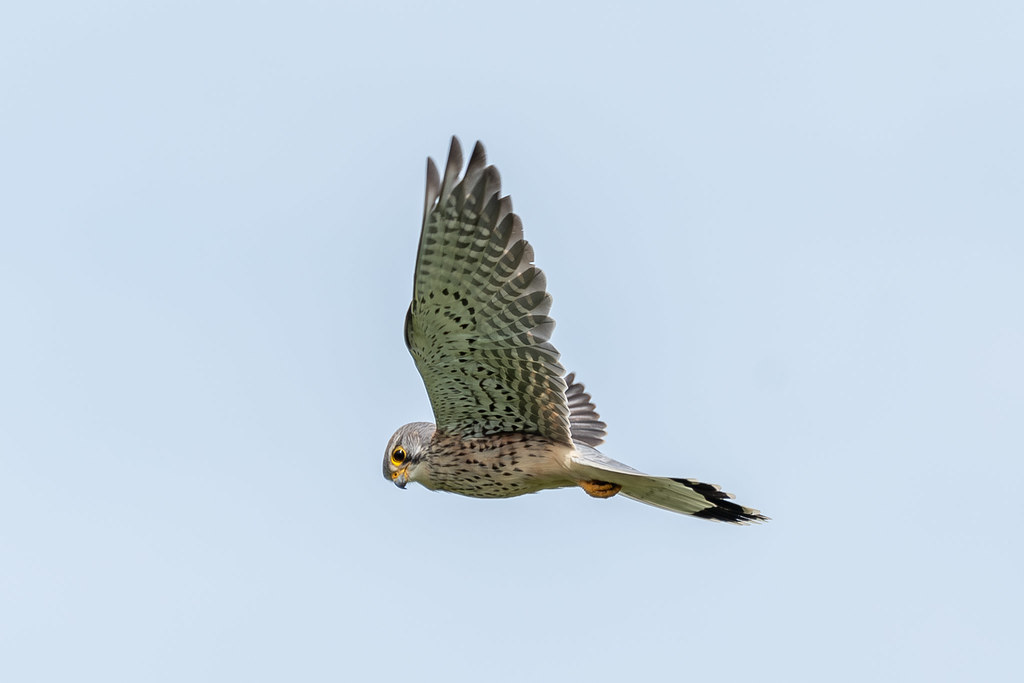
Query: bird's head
x,y
405,452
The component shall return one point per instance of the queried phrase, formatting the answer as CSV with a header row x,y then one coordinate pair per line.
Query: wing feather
x,y
586,424
478,326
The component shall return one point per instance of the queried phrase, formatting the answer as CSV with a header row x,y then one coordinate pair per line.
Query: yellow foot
x,y
600,489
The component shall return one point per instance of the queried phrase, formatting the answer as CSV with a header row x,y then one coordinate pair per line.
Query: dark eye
x,y
398,456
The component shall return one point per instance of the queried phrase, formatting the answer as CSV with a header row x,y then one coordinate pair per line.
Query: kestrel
x,y
509,420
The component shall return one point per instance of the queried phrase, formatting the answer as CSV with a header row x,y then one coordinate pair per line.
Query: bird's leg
x,y
599,489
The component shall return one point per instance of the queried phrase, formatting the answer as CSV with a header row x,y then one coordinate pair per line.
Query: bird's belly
x,y
498,466
493,485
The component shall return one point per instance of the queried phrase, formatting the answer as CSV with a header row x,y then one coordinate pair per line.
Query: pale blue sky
x,y
786,247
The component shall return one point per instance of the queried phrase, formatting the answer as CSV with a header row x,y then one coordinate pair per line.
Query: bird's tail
x,y
687,496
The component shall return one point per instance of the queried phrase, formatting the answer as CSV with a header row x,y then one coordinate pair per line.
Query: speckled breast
x,y
496,466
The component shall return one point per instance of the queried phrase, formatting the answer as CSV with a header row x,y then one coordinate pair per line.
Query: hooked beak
x,y
401,477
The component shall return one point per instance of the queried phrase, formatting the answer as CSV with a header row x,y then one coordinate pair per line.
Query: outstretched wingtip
x,y
479,156
454,165
455,152
433,188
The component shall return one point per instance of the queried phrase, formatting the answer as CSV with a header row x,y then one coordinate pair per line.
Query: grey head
x,y
406,451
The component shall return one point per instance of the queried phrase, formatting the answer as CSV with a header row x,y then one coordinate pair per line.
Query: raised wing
x,y
478,327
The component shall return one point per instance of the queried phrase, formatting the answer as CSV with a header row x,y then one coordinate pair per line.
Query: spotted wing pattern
x,y
478,327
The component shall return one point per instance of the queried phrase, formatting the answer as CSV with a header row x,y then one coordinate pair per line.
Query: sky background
x,y
785,243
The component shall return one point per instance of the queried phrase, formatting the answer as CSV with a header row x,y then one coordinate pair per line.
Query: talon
x,y
600,489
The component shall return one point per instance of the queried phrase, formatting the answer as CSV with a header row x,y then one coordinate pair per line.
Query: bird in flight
x,y
508,420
